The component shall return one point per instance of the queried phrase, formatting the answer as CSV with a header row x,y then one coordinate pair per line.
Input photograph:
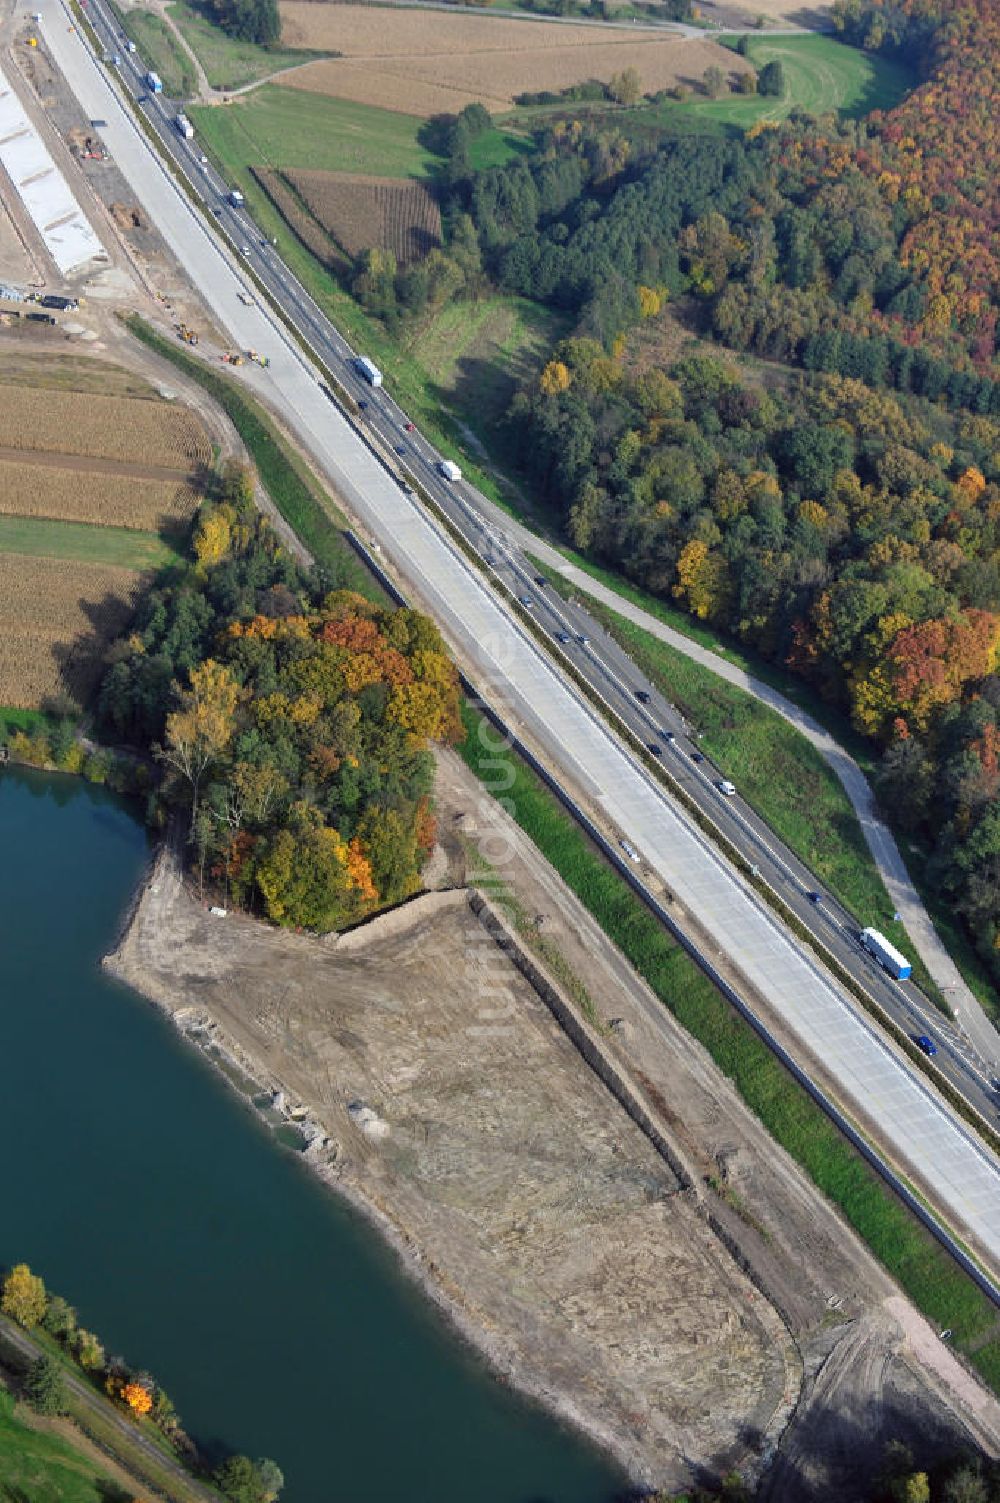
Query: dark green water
x,y
138,1186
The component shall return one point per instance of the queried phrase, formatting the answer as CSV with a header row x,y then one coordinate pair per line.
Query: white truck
x,y
154,82
449,469
368,369
184,126
886,954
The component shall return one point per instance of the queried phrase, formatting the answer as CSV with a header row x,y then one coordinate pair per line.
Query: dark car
x,y
655,748
362,404
815,897
540,579
926,1043
582,638
669,736
642,696
563,637
697,757
408,427
400,448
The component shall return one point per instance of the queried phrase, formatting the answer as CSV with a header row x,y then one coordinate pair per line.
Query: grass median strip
x,y
906,1250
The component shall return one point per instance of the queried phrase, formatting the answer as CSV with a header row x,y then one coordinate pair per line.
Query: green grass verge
x,y
228,62
292,488
917,854
44,1468
44,538
160,51
777,771
278,127
906,1250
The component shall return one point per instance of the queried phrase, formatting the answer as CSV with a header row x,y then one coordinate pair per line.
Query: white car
x,y
630,851
245,251
726,787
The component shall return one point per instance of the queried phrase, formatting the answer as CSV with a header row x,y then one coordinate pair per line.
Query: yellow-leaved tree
x,y
202,728
23,1296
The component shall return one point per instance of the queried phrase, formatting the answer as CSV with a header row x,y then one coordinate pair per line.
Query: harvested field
x,y
427,61
94,494
298,218
56,619
155,433
76,372
362,212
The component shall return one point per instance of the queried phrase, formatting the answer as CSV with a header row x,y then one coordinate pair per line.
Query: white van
x,y
726,787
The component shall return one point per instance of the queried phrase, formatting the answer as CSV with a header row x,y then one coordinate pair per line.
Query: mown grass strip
x,y
905,1249
87,542
284,475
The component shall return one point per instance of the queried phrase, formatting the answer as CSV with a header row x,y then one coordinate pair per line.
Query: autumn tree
x,y
59,1318
626,87
202,728
23,1297
713,81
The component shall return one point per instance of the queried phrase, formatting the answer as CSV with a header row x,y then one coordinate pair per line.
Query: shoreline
x,y
201,1031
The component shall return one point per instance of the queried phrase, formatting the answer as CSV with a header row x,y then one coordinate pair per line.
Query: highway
x,y
597,658
957,1171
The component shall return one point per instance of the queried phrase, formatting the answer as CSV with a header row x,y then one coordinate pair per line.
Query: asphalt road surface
x,y
918,1128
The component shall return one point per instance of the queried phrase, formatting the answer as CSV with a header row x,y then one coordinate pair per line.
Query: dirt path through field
x,y
54,460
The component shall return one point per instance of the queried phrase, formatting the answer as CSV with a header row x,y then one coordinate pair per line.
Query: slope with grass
x,y
160,51
39,1467
228,62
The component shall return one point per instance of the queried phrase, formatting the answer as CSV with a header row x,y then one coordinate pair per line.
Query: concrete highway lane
x,y
919,1131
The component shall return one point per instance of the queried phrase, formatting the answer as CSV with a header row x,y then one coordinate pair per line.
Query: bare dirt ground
x,y
427,62
452,1106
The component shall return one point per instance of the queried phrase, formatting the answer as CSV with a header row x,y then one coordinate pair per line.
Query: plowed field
x,y
69,422
56,619
424,62
362,212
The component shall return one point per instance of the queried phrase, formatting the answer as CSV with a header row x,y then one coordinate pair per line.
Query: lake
x,y
195,1246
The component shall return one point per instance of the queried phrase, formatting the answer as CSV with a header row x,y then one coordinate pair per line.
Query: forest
x,y
818,472
291,724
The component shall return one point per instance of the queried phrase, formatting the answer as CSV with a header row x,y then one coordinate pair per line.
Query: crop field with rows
x,y
92,495
361,212
151,434
56,619
426,62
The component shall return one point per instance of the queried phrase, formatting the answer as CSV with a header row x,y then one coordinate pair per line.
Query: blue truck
x,y
154,83
886,954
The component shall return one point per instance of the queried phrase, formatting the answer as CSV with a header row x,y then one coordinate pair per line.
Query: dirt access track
x,y
605,1278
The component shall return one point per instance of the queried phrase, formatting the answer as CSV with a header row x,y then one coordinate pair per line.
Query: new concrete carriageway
x,y
917,1129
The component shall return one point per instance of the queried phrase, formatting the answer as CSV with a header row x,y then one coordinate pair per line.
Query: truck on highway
x,y
886,954
184,126
368,369
235,198
154,82
449,469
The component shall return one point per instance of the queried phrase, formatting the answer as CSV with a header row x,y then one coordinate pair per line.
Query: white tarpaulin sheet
x,y
45,193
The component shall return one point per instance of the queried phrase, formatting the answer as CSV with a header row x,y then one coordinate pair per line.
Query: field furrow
x,y
104,427
28,490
